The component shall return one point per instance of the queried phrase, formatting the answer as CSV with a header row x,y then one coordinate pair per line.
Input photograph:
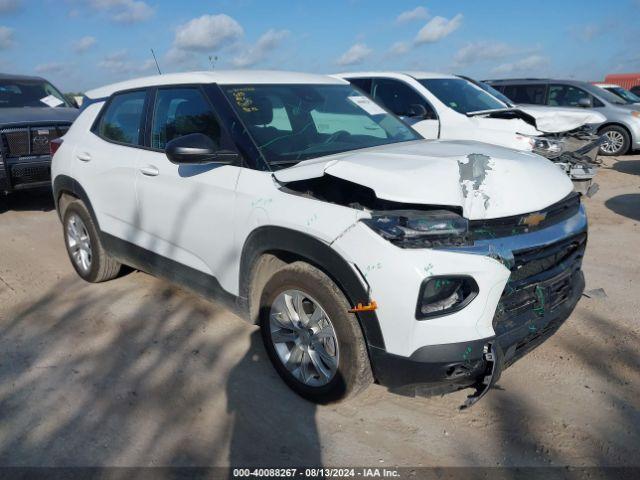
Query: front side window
x,y
461,95
363,84
566,96
122,121
526,94
291,123
399,97
30,93
182,111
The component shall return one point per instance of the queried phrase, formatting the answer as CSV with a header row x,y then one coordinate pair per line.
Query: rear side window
x,y
179,112
122,121
528,94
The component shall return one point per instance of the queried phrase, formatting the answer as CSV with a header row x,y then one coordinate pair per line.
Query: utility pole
x,y
212,61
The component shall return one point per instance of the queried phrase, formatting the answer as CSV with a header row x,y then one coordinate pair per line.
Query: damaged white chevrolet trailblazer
x,y
364,252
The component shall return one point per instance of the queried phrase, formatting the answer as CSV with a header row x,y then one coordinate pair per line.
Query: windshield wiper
x,y
486,112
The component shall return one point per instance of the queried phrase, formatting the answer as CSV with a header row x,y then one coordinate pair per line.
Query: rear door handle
x,y
84,157
150,171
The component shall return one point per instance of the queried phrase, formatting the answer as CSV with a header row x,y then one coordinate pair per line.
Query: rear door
x,y
186,212
406,102
105,162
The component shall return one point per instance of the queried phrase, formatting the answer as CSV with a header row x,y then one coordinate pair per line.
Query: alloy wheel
x,y
304,338
79,243
613,143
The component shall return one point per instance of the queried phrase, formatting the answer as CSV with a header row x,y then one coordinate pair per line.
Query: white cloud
x,y
10,6
6,38
265,44
124,11
84,44
399,48
480,51
355,55
53,67
119,63
527,64
418,13
208,32
438,28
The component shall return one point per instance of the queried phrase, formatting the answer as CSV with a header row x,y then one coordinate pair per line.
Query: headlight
x,y
545,146
444,295
420,229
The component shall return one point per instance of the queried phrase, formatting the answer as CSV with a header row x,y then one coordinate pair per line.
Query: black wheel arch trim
x,y
65,184
268,239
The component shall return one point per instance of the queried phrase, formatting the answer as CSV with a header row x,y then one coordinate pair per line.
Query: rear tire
x,y
322,354
617,141
88,257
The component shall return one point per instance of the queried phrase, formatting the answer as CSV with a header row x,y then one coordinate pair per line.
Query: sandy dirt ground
x,y
136,372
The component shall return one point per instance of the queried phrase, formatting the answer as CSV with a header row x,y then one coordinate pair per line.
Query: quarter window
x,y
122,120
179,112
566,96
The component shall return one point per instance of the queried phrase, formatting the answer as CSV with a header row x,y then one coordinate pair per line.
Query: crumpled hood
x,y
9,116
486,181
557,119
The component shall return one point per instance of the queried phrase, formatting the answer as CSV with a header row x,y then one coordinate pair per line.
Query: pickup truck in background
x,y
32,113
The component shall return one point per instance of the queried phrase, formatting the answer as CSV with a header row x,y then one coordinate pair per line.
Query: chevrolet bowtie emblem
x,y
533,219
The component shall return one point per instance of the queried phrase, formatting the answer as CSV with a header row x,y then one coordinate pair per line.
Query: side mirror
x,y
197,148
585,103
417,110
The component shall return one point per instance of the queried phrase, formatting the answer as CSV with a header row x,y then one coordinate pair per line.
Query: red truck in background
x,y
630,81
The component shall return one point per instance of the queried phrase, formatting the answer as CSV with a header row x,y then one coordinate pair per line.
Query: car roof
x,y
606,85
532,81
418,75
223,77
10,76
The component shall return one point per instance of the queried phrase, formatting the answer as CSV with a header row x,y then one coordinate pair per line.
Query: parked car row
x,y
364,251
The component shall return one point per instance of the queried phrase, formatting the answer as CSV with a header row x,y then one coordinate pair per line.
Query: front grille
x,y
531,262
25,173
541,280
28,141
518,224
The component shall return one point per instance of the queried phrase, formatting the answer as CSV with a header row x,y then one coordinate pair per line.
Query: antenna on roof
x,y
212,60
156,60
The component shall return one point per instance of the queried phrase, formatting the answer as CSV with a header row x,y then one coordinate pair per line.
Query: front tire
x,y
88,257
617,141
314,343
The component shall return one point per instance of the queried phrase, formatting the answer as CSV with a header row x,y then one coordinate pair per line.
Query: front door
x,y
186,212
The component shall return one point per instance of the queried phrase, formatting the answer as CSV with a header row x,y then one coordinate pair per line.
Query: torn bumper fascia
x,y
575,152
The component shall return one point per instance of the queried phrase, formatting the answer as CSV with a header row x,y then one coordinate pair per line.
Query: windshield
x,y
462,95
291,123
624,94
30,93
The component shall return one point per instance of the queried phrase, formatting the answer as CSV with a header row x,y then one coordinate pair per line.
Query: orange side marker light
x,y
370,307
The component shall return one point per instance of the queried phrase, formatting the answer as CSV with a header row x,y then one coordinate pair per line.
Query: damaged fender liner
x,y
440,369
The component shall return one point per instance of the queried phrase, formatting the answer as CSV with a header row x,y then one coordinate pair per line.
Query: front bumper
x,y
24,173
438,369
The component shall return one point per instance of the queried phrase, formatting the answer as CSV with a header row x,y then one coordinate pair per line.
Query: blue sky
x,y
81,44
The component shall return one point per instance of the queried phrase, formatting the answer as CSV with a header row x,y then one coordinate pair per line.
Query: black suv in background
x,y
32,113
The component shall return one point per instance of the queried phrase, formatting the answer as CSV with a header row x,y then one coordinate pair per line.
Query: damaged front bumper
x,y
576,153
544,286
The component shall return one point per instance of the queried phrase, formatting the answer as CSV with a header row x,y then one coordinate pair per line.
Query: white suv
x,y
365,252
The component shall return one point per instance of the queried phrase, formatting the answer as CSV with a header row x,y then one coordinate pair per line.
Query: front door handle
x,y
84,156
150,171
